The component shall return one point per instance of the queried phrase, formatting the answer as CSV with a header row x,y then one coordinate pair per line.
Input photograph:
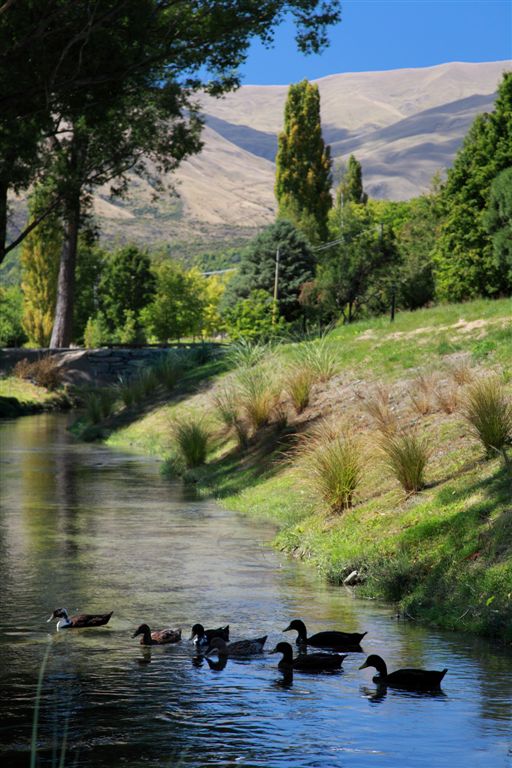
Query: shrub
x,y
333,465
299,381
379,409
96,332
44,372
321,360
257,395
407,456
192,439
489,414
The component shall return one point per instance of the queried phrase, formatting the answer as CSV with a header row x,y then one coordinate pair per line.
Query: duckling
x,y
238,648
410,679
332,639
202,636
80,620
157,637
312,662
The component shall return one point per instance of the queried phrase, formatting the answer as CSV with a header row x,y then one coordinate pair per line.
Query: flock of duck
x,y
215,642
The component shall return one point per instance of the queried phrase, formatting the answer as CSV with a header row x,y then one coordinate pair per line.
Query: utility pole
x,y
276,290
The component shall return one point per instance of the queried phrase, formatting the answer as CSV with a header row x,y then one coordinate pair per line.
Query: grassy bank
x,y
19,397
443,554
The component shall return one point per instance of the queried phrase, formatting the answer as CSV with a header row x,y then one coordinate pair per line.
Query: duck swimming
x,y
80,620
157,637
312,662
410,679
330,639
238,648
202,636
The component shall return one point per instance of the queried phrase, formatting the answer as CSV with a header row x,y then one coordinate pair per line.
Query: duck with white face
x,y
80,620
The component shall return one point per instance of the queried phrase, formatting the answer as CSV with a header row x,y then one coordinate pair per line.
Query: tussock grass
x,y
257,394
461,372
169,370
44,372
299,380
378,407
192,438
489,413
406,455
422,393
332,462
320,359
100,404
226,404
245,354
447,397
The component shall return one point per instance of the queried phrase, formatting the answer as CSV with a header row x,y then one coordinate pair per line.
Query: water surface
x,y
91,529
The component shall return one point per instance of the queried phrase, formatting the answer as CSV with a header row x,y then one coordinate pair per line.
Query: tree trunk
x,y
63,324
3,218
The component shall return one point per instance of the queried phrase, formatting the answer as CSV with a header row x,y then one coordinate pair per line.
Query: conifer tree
x,y
350,189
40,267
303,164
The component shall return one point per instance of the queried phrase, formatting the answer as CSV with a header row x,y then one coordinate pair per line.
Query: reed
x,y
99,404
192,441
257,395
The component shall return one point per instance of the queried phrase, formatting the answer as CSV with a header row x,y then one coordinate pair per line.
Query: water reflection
x,y
95,530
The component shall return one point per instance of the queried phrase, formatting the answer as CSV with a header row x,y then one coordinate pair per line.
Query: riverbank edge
x,y
12,408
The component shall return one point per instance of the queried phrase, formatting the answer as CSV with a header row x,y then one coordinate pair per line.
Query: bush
x,y
11,314
298,385
489,414
96,332
192,439
44,372
333,465
407,456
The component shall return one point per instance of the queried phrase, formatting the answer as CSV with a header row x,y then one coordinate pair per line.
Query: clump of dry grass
x,y
332,462
447,398
299,380
489,413
461,372
226,403
257,395
406,455
378,407
422,393
44,372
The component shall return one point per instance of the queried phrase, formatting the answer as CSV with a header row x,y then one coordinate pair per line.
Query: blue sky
x,y
390,34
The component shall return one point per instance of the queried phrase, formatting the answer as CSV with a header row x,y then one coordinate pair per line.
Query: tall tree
x,y
351,189
127,283
465,266
40,264
257,269
115,81
303,164
498,222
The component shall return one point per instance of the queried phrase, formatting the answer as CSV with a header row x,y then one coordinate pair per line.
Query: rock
x,y
351,578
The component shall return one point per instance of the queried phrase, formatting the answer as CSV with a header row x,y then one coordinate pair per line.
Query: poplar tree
x,y
303,164
40,259
350,189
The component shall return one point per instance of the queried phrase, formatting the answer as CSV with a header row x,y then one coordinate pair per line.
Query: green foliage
x,y
497,221
320,358
333,465
489,413
407,456
354,273
258,268
89,269
251,319
177,309
99,404
257,395
466,264
40,267
96,332
350,189
127,285
192,439
303,164
12,333
299,380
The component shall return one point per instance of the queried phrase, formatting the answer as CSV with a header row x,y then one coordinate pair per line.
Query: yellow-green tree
x,y
214,290
303,164
40,267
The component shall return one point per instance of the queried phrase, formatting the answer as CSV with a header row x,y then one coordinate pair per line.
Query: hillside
x,y
403,125
442,555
